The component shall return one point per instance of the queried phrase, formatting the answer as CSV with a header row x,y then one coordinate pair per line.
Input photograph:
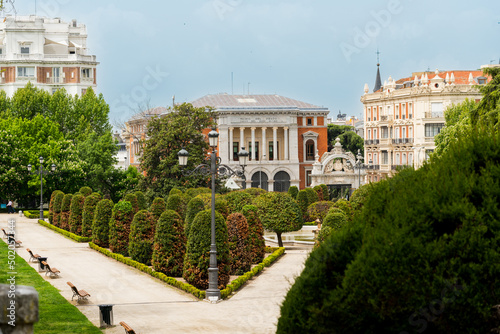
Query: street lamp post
x,y
214,167
42,172
360,165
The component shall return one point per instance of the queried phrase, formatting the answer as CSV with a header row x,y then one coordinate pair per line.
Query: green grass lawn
x,y
56,314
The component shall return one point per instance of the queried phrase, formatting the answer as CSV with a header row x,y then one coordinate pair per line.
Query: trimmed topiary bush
x,y
222,207
65,211
141,200
119,227
359,196
303,203
255,192
279,213
158,207
293,191
335,219
169,244
345,206
318,210
133,200
319,192
51,205
326,193
197,259
236,200
255,234
312,195
193,192
141,237
237,230
100,224
75,216
88,213
322,235
85,191
178,203
194,206
175,191
58,199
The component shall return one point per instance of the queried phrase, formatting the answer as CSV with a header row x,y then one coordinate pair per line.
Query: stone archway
x,y
281,181
260,180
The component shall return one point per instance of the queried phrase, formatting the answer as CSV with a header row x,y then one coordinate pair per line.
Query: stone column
x,y
315,121
253,143
19,313
304,121
275,143
242,137
223,139
286,142
231,145
264,143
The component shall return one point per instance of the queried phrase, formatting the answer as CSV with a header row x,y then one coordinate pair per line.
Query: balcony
x,y
375,167
55,80
434,114
386,118
87,79
402,141
372,142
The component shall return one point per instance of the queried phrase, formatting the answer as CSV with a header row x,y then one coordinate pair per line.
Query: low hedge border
x,y
70,235
200,294
34,214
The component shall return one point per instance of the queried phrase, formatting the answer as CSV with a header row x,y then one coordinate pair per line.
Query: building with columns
x,y
49,53
402,116
282,135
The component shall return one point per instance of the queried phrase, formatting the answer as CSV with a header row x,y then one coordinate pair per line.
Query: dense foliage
x,y
157,207
141,237
100,223
178,203
133,200
75,216
51,205
58,199
119,227
293,191
65,211
278,213
348,138
236,200
88,213
422,255
194,206
318,210
239,246
141,200
197,259
257,245
169,244
85,191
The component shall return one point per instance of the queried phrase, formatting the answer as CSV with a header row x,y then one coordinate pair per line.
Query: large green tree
x,y
348,138
181,127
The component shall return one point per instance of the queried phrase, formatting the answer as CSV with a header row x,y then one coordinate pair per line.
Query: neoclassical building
x,y
403,116
281,134
49,53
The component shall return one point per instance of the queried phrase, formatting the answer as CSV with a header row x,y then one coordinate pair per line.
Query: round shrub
x,y
255,234
141,237
178,203
85,191
359,196
222,207
293,191
141,200
344,206
197,259
335,219
255,191
133,200
158,207
65,208
193,192
58,199
75,216
319,192
237,230
207,198
318,210
195,205
312,195
279,213
169,244
119,227
236,200
51,205
88,213
100,223
326,193
175,191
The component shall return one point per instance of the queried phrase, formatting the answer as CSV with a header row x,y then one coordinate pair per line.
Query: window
x,y
397,162
25,50
397,112
375,134
404,159
256,151
433,129
308,178
1,51
309,121
310,150
437,109
385,158
26,72
384,132
86,73
281,181
235,151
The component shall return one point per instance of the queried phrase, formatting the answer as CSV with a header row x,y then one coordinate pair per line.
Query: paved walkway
x,y
145,303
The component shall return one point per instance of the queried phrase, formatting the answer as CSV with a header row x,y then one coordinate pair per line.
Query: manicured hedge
x,y
70,235
193,192
195,205
133,200
319,192
65,212
326,193
85,191
239,247
178,203
169,244
88,213
293,191
141,200
58,199
197,259
100,224
51,205
34,214
119,227
303,202
141,237
75,216
318,210
236,200
256,240
335,219
255,191
158,207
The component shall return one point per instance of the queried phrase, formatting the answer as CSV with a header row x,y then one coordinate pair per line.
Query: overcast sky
x,y
318,51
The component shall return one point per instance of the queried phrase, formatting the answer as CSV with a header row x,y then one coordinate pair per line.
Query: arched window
x,y
259,180
281,181
310,149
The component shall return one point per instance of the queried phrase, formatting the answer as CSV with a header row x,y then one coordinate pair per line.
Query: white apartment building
x,y
49,53
402,117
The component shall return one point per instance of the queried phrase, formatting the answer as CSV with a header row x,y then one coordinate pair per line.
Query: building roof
x,y
378,82
227,101
149,113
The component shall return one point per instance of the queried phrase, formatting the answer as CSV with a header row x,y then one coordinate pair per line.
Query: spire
x,y
378,82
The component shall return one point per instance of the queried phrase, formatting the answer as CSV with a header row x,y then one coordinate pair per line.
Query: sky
x,y
317,51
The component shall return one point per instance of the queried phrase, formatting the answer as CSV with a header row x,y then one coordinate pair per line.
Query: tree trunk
x,y
280,242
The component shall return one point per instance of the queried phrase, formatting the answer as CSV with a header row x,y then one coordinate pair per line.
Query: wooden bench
x,y
81,294
128,329
50,271
7,235
17,243
32,256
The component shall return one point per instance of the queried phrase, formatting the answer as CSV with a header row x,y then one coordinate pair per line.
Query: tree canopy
x,y
348,138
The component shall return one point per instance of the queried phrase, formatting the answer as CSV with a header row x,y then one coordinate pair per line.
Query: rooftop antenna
x,y
378,58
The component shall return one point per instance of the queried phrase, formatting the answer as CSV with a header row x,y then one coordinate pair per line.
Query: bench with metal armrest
x,y
81,294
